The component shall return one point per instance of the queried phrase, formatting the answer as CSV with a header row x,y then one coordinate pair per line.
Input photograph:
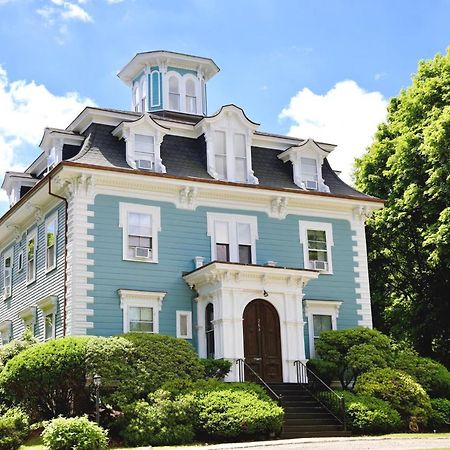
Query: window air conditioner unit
x,y
142,252
311,184
320,265
145,164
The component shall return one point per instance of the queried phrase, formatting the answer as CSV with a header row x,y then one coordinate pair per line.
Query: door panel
x,y
262,346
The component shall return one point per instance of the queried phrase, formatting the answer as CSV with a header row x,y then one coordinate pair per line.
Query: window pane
x,y
183,324
143,145
174,102
220,147
174,87
30,249
140,319
51,257
191,104
241,169
222,252
221,166
239,145
309,168
244,233
321,323
139,224
221,232
317,245
315,255
190,88
48,326
245,254
142,327
51,233
8,262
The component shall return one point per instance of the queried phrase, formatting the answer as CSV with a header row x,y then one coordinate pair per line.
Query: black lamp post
x,y
97,382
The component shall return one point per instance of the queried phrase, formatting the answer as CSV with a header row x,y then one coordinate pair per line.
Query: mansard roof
x,y
186,157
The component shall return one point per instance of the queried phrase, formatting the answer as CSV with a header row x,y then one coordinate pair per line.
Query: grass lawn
x,y
418,435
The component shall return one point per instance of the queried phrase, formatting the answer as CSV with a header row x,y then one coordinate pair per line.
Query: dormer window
x,y
307,159
191,97
228,137
310,177
174,93
143,139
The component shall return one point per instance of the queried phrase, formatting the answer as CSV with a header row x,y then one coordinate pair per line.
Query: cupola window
x,y
143,95
136,98
174,93
191,98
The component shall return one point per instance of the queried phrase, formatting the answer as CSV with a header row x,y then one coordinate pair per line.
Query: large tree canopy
x,y
408,165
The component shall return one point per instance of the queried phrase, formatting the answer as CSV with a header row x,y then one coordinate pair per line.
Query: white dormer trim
x,y
309,149
231,121
145,126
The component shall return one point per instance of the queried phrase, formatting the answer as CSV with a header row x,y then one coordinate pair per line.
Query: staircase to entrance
x,y
304,415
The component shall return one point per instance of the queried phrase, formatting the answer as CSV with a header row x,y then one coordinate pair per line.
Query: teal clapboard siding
x,y
155,90
46,284
183,236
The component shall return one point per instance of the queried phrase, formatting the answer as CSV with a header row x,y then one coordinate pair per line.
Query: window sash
x,y
31,259
317,245
7,274
140,319
309,169
51,244
222,252
321,322
191,104
245,254
49,325
174,101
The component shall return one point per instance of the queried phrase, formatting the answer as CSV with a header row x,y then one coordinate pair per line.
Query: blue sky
x,y
330,65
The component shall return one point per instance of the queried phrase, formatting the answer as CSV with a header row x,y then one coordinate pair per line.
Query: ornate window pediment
x,y
143,139
307,160
228,137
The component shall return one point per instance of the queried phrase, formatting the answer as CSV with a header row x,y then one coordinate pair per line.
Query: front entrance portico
x,y
230,288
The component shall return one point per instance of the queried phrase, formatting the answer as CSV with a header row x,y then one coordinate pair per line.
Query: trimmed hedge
x,y
14,429
76,433
216,368
208,409
403,393
13,348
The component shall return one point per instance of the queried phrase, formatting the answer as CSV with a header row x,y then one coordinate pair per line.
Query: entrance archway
x,y
262,342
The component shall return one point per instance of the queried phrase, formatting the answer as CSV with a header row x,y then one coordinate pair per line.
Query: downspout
x,y
66,228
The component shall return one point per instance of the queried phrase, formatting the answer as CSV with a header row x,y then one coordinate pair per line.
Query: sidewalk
x,y
346,443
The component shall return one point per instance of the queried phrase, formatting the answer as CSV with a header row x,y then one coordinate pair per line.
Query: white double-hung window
x,y
31,256
144,151
309,173
220,154
7,274
233,237
317,241
240,158
51,227
140,226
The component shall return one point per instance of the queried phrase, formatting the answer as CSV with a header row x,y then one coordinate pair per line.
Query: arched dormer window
x,y
191,96
174,93
143,95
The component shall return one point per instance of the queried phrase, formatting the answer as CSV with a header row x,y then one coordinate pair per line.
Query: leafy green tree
x,y
408,165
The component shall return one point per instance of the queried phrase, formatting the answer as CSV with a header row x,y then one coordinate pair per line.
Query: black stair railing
x,y
241,365
323,393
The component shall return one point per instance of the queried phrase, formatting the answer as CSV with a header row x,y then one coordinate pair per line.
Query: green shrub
x,y
76,433
216,368
440,414
228,414
325,370
370,415
14,429
163,420
433,376
48,379
372,349
112,359
402,392
13,348
157,359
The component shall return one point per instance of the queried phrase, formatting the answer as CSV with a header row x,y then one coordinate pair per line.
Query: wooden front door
x,y
262,345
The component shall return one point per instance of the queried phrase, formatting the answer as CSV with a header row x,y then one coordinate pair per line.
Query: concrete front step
x,y
310,421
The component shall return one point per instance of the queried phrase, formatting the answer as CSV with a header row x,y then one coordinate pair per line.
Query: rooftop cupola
x,y
162,80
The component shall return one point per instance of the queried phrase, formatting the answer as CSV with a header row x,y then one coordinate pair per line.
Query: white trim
x,y
154,105
232,220
48,306
143,299
188,315
320,307
304,226
155,213
28,317
31,235
8,254
50,219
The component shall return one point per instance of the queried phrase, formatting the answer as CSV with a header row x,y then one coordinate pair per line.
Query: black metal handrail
x,y
241,366
323,393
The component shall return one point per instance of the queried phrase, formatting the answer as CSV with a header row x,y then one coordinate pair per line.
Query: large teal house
x,y
165,219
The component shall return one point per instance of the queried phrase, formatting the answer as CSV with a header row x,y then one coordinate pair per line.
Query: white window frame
x,y
232,221
304,179
32,235
155,213
304,226
188,315
48,307
5,332
182,80
8,254
28,316
51,219
20,261
323,308
141,299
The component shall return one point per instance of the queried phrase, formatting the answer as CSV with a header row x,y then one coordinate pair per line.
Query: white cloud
x,y
75,12
27,108
346,115
113,2
58,11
